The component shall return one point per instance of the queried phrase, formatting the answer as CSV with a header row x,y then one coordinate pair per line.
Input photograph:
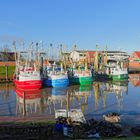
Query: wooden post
x,y
24,104
6,69
68,101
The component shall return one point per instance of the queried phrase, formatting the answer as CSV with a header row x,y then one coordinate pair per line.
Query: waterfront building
x,y
78,56
134,61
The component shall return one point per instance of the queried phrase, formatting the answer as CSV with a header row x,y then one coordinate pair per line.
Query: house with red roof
x,y
90,55
134,61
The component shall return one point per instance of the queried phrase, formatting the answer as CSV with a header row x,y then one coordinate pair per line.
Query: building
x,y
134,61
82,56
117,55
65,56
90,55
7,56
78,56
7,59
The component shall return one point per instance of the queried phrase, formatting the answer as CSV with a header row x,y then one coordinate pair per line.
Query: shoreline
x,y
45,130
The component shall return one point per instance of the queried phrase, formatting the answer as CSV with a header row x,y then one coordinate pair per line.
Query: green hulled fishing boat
x,y
110,68
81,77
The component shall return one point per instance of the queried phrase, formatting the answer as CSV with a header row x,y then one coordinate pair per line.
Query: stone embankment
x,y
64,128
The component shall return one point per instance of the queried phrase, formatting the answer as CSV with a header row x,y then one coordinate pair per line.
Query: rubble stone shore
x,y
64,128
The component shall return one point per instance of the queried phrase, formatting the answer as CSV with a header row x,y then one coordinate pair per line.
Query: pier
x,y
4,80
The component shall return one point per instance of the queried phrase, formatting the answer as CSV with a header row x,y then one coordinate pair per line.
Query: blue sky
x,y
115,23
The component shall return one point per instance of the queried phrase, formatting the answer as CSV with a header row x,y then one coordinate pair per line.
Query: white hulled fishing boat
x,y
27,75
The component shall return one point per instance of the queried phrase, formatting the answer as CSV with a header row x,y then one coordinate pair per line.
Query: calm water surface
x,y
94,101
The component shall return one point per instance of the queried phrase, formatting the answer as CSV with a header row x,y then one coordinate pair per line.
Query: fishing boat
x,y
80,76
118,74
27,75
28,79
55,76
115,73
110,68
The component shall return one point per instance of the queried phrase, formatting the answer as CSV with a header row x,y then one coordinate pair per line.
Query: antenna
x,y
22,45
60,55
51,47
41,48
75,47
14,46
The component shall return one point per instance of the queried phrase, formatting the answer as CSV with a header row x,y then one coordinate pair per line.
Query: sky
x,y
86,23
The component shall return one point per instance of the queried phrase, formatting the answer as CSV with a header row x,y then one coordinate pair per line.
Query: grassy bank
x,y
11,70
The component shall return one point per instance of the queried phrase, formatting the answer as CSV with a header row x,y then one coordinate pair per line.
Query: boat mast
x,y
16,69
61,58
96,59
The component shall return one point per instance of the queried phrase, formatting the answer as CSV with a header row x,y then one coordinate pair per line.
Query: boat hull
x,y
101,77
31,84
120,77
85,80
56,81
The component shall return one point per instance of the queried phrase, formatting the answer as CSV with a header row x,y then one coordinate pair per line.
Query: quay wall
x,y
134,66
8,63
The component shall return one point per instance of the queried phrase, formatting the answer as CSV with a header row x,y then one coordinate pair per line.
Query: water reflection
x,y
134,79
69,98
94,100
5,90
48,100
7,100
102,91
90,99
28,102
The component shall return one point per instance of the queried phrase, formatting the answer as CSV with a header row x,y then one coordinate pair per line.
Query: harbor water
x,y
94,101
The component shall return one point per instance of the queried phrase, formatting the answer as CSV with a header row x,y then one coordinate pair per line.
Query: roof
x,y
65,53
91,53
81,51
115,52
137,53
